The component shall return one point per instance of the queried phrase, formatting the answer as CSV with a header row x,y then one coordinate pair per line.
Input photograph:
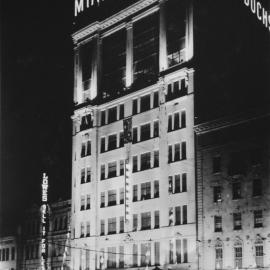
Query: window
x,y
218,223
122,167
135,106
112,115
7,254
236,190
156,99
111,225
82,203
121,139
145,254
82,176
146,221
183,151
183,119
135,135
156,158
259,253
237,221
145,161
145,132
112,169
88,175
111,197
112,142
156,129
257,187
176,121
135,255
184,182
171,251
178,250
86,122
176,86
184,214
177,215
12,253
135,222
88,206
258,218
82,229
103,118
83,147
156,219
88,148
145,103
102,172
156,189
135,193
177,184
122,111
102,199
121,257
87,229
169,153
121,222
102,145
146,191
134,164
217,194
177,152
185,250
238,255
111,262
122,196
102,227
170,190
216,164
219,255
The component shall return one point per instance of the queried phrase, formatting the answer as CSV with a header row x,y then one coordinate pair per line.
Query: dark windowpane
x,y
112,117
135,164
122,167
135,193
237,164
183,150
156,159
156,219
176,121
185,251
236,190
112,142
135,107
177,215
156,128
112,169
145,132
121,139
102,172
102,145
122,111
177,183
145,161
146,220
111,197
184,182
218,223
169,123
169,153
177,152
237,221
103,118
145,103
156,189
135,135
258,218
88,149
86,122
217,194
156,99
183,119
184,214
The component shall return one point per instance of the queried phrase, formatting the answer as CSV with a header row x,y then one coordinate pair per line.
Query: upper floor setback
x,y
131,49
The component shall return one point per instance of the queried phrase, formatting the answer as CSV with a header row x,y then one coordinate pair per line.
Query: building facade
x,y
233,193
8,253
58,240
133,182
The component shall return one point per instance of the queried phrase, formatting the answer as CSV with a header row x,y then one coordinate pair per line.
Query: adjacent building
x,y
8,253
233,193
133,182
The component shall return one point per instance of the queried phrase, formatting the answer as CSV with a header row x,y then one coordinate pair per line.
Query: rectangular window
x,y
122,167
170,180
112,115
87,229
121,257
82,176
183,119
135,193
111,197
145,161
156,99
135,106
88,206
121,139
88,148
171,251
102,227
216,164
170,154
135,222
258,218
111,225
169,123
82,203
135,255
156,129
102,145
157,253
217,194
7,254
156,219
156,189
112,142
218,223
86,66
135,135
259,255
176,121
146,191
146,221
145,132
112,169
177,215
156,158
102,172
88,174
178,250
111,262
257,187
185,249
177,183
134,164
102,199
176,87
121,223
238,257
184,182
103,118
122,196
122,112
83,147
145,254
82,229
86,122
219,258
184,214
145,103
237,221
177,152
183,150
236,190
12,253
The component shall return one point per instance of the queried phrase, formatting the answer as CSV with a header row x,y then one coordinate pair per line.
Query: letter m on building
x,y
78,6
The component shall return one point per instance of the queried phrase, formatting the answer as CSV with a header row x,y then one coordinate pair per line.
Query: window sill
x,y
150,138
177,160
145,169
103,152
169,131
111,177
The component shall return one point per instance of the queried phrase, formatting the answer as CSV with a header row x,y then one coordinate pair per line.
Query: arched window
x,y
259,252
219,255
238,254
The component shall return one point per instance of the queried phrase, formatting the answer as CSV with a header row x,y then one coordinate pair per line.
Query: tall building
x,y
233,193
8,253
133,182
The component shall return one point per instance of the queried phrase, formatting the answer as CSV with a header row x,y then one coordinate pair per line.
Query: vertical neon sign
x,y
44,221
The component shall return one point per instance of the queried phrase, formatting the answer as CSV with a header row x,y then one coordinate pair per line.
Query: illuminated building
x,y
233,193
8,253
133,183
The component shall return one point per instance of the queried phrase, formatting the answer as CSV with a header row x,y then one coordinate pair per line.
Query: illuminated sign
x,y
44,221
81,5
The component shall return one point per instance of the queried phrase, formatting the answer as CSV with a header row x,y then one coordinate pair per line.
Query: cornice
x,y
114,19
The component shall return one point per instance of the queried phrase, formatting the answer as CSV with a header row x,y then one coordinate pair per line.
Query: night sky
x,y
37,87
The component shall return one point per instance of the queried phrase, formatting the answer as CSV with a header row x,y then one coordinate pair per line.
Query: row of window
x,y
237,221
112,198
85,229
85,202
178,183
113,114
176,89
176,121
238,254
86,148
111,143
237,190
4,254
85,175
60,223
177,152
145,191
147,131
114,169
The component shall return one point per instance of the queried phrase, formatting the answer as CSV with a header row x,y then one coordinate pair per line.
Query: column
x,y
163,63
129,55
78,76
189,31
95,65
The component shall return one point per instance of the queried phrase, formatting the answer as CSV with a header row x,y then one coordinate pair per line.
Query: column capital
x,y
129,25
